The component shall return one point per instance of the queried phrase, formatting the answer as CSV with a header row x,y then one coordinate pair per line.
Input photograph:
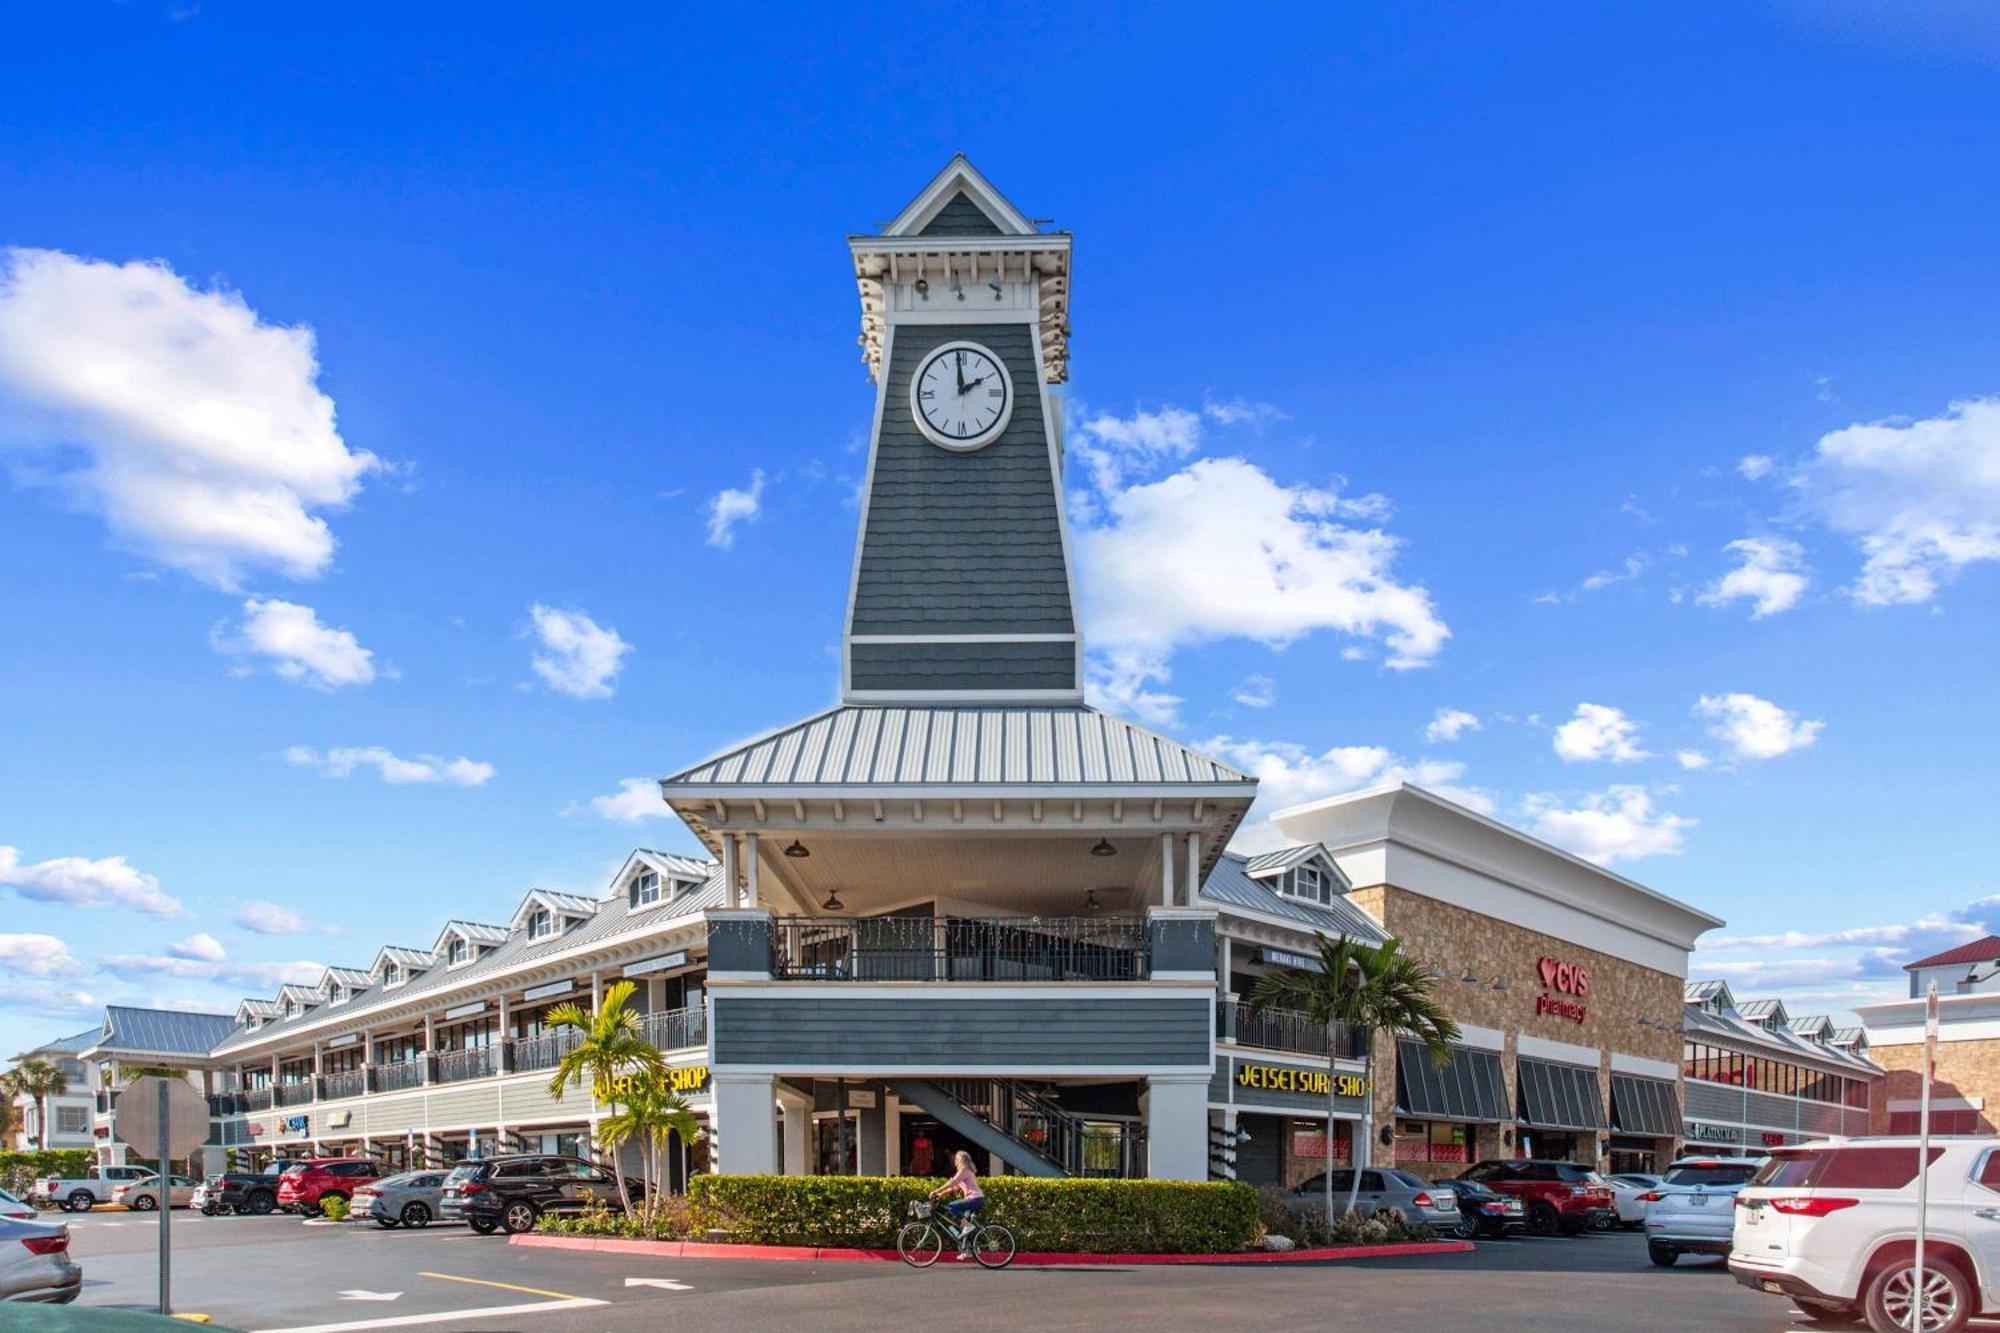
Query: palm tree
x,y
8,1092
612,1049
653,1114
1365,989
38,1079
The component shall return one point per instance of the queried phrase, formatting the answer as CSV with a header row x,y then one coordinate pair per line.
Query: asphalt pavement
x,y
282,1275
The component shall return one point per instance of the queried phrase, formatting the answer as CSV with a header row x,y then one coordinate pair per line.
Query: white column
x,y
596,991
1166,870
1224,965
745,1127
502,1058
798,1132
1191,873
729,897
751,896
1177,1128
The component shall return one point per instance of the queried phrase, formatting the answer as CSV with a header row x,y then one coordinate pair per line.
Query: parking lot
x,y
276,1273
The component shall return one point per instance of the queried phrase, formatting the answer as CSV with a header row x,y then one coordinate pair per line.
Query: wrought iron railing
x,y
257,1099
674,1029
295,1094
228,1103
1276,1029
525,1054
396,1075
912,948
1075,1144
347,1083
458,1066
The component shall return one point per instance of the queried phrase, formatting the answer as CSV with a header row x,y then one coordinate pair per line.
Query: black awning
x,y
1467,1087
1559,1096
1644,1106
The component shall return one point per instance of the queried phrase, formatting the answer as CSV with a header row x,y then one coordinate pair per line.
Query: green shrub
x,y
1087,1216
19,1170
671,1220
333,1208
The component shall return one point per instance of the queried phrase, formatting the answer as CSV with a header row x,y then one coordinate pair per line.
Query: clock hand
x,y
958,365
975,384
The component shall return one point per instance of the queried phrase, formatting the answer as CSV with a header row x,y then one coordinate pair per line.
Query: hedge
x,y
19,1170
1077,1216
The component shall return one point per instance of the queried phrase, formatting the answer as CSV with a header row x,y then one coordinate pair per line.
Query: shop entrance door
x,y
833,1146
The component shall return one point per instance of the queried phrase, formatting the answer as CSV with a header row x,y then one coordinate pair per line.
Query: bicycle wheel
x,y
920,1244
993,1246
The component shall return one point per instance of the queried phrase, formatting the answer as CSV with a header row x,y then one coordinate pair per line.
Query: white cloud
x,y
1111,445
1756,728
50,1001
1756,467
1935,933
635,799
1635,564
1616,824
729,507
298,647
1599,732
579,657
1119,681
1771,575
77,881
1691,759
1448,724
194,428
36,956
267,918
1288,774
342,761
1921,497
200,946
1256,691
260,977
1243,412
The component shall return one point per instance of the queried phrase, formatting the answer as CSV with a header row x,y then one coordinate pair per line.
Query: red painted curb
x,y
694,1249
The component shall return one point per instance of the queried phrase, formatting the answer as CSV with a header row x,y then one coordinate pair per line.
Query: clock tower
x,y
961,587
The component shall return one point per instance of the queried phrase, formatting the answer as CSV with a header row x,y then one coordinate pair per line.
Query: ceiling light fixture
x,y
833,903
1470,978
1090,903
1103,848
797,851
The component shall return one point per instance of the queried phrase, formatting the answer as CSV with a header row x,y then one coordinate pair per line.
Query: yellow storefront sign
x,y
683,1079
1284,1078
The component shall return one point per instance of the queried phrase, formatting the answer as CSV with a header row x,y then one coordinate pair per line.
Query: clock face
x,y
962,397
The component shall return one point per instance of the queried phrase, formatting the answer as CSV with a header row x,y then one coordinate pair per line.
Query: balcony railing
x,y
347,1083
1276,1029
673,1029
905,948
228,1103
107,1100
396,1075
458,1066
257,1099
295,1094
526,1054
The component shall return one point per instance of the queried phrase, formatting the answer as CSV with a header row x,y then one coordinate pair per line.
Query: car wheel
x,y
1543,1219
484,1226
415,1215
1892,1292
262,1203
1465,1228
79,1202
145,1203
518,1217
1663,1256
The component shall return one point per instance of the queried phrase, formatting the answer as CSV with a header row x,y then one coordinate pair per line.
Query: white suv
x,y
1831,1225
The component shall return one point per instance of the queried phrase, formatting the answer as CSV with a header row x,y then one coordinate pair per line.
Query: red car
x,y
306,1187
1561,1197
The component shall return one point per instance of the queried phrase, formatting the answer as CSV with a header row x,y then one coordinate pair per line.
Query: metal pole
x,y
166,1207
1920,1295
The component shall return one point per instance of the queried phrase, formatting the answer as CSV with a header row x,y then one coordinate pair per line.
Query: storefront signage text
x,y
683,1079
1566,980
1710,1133
1279,1078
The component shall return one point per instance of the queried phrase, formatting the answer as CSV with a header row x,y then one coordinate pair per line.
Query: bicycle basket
x,y
920,1208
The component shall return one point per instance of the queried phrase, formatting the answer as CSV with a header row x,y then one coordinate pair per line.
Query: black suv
x,y
509,1193
246,1191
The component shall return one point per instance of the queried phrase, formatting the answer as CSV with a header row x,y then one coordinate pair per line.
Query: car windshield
x,y
1710,1174
465,1171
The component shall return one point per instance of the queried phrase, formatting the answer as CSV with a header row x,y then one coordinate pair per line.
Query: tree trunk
x,y
1332,1049
618,1170
1365,1141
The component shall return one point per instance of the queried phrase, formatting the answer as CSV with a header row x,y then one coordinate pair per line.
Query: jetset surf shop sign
x,y
1565,986
1313,1082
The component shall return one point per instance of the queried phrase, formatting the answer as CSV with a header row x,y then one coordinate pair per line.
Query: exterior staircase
x,y
1017,1123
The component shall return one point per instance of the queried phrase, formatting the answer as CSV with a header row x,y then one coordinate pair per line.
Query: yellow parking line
x,y
504,1286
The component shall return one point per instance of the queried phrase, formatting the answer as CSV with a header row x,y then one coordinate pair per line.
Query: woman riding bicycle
x,y
970,1198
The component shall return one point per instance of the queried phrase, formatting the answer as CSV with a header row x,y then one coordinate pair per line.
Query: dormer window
x,y
457,953
541,923
1309,882
645,888
392,975
291,1008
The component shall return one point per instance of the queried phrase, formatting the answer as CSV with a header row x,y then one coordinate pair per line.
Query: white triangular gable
x,y
959,177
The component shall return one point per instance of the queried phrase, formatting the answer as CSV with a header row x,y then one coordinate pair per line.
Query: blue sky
x,y
1624,381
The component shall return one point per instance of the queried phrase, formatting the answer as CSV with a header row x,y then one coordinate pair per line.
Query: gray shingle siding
x,y
964,666
963,543
1075,1031
961,217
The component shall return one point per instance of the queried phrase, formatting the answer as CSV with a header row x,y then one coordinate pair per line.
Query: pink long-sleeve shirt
x,y
966,1184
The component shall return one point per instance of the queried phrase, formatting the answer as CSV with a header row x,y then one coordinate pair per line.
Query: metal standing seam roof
x,y
1772,1010
867,746
610,919
164,1031
477,931
70,1045
1699,1021
1276,863
1228,885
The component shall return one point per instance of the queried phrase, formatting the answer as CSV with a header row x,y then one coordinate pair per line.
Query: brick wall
x,y
1964,1069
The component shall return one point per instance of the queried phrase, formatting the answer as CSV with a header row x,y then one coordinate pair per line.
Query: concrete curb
x,y
693,1249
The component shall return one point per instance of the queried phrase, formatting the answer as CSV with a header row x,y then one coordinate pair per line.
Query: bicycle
x,y
921,1242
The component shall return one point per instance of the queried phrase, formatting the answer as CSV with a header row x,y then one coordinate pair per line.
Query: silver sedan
x,y
412,1199
35,1263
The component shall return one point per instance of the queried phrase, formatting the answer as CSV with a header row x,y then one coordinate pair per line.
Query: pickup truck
x,y
242,1191
82,1193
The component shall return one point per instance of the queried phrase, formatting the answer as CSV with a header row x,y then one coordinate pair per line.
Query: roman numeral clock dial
x,y
961,397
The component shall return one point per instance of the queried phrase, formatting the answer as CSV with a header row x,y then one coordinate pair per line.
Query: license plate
x,y
1699,1201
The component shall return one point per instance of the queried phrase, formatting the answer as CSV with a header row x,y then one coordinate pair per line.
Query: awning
x,y
1467,1087
1557,1096
1644,1106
